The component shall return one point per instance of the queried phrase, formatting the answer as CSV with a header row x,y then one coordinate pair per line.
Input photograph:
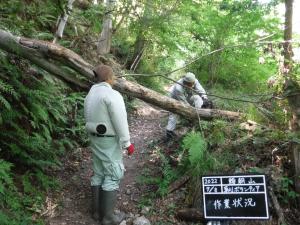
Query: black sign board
x,y
235,197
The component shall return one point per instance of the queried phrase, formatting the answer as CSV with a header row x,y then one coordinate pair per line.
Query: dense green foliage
x,y
175,33
38,122
39,118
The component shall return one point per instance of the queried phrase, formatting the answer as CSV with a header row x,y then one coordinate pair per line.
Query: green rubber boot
x,y
96,203
109,200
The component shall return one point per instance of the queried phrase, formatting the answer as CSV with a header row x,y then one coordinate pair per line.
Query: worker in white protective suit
x,y
188,90
107,127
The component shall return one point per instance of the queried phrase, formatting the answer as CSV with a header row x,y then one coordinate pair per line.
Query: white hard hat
x,y
189,77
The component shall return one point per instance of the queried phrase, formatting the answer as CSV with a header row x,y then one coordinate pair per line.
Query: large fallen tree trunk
x,y
54,58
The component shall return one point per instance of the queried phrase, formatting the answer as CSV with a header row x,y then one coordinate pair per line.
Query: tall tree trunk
x,y
104,42
214,63
139,47
140,42
292,88
53,58
62,20
288,33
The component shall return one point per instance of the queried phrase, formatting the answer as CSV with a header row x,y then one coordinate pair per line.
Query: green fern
x,y
200,161
4,102
5,176
38,113
217,131
6,88
35,122
169,175
196,146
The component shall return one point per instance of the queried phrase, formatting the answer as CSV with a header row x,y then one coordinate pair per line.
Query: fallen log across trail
x,y
72,69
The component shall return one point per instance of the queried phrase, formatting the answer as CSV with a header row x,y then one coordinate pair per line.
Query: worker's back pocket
x,y
116,170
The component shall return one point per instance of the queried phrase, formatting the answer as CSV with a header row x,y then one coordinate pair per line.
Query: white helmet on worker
x,y
189,77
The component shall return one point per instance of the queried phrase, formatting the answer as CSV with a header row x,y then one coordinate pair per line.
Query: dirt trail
x,y
72,205
146,125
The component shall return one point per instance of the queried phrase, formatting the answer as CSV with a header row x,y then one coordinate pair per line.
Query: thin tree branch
x,y
213,95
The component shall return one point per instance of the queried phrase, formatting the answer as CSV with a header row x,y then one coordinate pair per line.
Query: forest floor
x,y
73,202
137,197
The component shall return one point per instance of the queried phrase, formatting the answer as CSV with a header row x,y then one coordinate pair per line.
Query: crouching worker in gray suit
x,y
182,91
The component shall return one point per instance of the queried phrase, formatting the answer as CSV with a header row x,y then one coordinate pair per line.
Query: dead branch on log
x,y
51,56
273,174
278,209
190,214
178,183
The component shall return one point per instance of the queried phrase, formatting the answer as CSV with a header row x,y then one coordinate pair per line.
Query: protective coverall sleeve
x,y
118,116
179,95
199,89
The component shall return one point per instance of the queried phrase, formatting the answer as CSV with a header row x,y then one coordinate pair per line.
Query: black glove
x,y
207,104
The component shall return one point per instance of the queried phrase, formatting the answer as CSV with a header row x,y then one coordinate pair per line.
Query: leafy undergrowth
x,y
38,124
220,148
270,152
